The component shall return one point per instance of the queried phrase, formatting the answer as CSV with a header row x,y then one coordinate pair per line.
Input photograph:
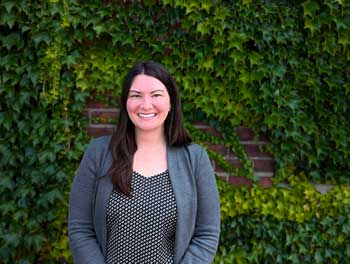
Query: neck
x,y
150,139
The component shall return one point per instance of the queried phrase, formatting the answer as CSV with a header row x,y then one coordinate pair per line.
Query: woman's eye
x,y
157,95
134,95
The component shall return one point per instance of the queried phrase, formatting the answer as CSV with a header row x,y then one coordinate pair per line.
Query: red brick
x,y
97,132
263,137
213,132
200,124
259,165
245,133
108,102
107,117
235,163
266,182
223,177
264,165
238,181
217,168
221,149
210,131
104,114
91,103
253,151
205,127
231,154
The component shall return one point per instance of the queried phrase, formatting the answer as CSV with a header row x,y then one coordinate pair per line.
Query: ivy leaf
x,y
8,5
318,257
41,37
255,58
53,196
12,40
116,38
72,58
7,209
8,19
127,40
279,70
34,75
189,5
344,39
203,28
244,77
99,29
36,241
11,239
6,183
311,25
342,23
206,5
247,2
237,57
25,28
20,215
208,64
310,8
294,258
236,40
149,2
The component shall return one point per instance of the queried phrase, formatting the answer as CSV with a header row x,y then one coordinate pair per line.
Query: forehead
x,y
145,83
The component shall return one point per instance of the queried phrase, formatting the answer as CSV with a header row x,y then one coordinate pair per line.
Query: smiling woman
x,y
146,194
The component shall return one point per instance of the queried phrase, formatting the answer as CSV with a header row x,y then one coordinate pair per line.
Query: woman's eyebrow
x,y
134,91
158,90
154,91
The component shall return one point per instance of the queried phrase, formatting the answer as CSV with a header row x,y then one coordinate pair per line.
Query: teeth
x,y
147,115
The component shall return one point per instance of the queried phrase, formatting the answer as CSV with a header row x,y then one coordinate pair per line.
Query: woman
x,y
146,194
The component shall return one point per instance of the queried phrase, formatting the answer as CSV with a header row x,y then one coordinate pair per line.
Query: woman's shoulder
x,y
194,150
100,141
198,156
99,144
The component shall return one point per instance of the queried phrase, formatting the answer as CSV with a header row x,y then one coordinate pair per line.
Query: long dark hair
x,y
123,144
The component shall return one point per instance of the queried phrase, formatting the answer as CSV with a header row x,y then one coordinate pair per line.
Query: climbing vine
x,y
279,67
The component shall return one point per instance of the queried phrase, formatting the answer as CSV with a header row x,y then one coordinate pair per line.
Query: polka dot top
x,y
141,228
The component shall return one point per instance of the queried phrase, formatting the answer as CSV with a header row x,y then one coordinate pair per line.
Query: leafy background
x,y
279,67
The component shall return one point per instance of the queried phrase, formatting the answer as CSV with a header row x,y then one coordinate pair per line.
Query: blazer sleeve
x,y
205,240
81,232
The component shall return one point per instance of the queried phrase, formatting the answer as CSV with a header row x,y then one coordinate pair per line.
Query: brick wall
x,y
102,118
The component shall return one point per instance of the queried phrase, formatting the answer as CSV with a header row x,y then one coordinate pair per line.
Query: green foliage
x,y
278,225
279,67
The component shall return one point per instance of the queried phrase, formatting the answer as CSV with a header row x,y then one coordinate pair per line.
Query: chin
x,y
149,128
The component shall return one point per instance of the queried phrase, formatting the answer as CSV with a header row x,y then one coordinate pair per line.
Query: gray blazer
x,y
197,200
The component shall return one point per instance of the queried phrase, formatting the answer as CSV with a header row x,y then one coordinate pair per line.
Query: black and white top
x,y
141,228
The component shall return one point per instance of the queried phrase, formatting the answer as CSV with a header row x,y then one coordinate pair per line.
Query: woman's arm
x,y
81,232
205,239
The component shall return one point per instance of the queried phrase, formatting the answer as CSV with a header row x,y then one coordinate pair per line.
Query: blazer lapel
x,y
183,184
103,191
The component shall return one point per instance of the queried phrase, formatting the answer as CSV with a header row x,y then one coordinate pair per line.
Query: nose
x,y
146,102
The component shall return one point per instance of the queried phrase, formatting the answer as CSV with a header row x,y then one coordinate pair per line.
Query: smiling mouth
x,y
147,115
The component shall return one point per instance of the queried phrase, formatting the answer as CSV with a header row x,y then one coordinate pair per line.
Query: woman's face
x,y
148,103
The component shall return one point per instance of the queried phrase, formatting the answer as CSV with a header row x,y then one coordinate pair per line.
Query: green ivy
x,y
279,225
279,67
